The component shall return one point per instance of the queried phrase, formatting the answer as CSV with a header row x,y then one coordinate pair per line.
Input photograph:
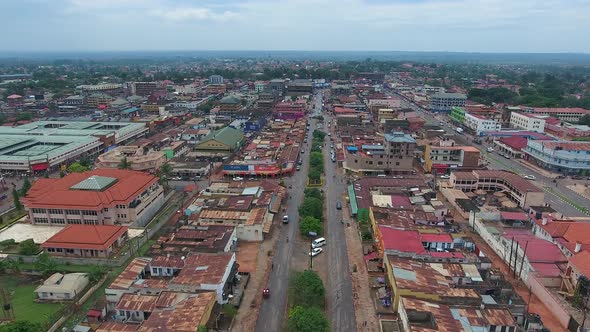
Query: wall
x,y
250,232
549,300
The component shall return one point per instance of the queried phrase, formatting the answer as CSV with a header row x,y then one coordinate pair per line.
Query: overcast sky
x,y
357,25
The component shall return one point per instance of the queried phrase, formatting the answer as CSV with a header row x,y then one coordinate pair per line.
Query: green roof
x,y
226,135
94,183
230,100
352,198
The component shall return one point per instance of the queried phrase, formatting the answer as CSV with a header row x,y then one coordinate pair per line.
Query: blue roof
x,y
131,110
352,148
372,147
399,137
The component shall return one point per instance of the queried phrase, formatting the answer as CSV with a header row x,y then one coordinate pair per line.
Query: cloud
x,y
192,14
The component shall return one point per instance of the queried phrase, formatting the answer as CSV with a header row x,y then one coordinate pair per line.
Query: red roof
x,y
438,254
97,237
521,216
56,193
443,238
404,241
538,250
343,110
581,262
515,142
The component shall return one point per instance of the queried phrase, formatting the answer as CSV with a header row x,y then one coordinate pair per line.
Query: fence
x,y
549,300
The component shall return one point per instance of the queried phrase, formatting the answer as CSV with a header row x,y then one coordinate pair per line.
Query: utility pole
x,y
523,256
510,258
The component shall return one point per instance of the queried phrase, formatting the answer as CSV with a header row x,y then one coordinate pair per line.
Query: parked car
x,y
530,177
238,178
490,150
446,176
315,251
338,205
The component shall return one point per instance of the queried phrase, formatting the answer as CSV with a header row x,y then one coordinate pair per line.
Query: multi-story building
x,y
98,197
229,105
259,86
386,114
107,88
214,89
215,79
144,88
289,110
572,114
97,99
565,157
441,159
527,121
396,155
480,124
277,86
521,191
444,102
75,100
300,87
457,115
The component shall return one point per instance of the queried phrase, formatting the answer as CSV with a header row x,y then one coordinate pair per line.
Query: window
x,y
35,210
55,211
74,221
397,163
73,212
60,221
41,220
89,213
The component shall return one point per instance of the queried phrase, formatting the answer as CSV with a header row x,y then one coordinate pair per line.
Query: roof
x,y
179,312
230,100
520,216
399,137
137,302
559,110
515,142
82,190
441,314
538,250
226,135
514,180
566,145
126,278
581,262
403,241
430,237
569,233
96,237
204,269
64,283
116,327
449,95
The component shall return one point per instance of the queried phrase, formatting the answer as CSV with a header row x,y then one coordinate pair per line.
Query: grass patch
x,y
60,267
11,217
23,301
566,199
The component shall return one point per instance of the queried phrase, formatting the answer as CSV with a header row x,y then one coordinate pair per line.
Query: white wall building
x,y
479,124
527,122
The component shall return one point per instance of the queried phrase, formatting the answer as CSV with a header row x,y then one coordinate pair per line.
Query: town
x,y
277,194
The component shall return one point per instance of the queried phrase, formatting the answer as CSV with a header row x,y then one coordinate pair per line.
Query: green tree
x,y
313,192
125,164
302,319
311,207
96,273
25,116
164,173
316,160
45,264
585,120
306,289
17,204
26,186
85,161
310,224
28,247
21,326
314,175
77,168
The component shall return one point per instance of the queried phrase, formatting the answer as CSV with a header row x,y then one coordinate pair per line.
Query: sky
x,y
535,26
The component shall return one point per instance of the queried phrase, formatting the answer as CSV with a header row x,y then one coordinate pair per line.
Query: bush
x,y
303,319
313,192
7,243
311,207
307,290
310,224
28,247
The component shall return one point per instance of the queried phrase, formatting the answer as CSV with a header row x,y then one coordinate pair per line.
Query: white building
x,y
61,287
215,79
444,102
526,121
479,124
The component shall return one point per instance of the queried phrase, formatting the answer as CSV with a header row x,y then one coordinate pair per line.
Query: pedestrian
x,y
272,266
365,324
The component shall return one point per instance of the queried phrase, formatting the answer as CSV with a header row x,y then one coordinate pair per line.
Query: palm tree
x,y
124,164
164,174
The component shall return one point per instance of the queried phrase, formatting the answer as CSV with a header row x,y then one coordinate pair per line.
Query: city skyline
x,y
486,26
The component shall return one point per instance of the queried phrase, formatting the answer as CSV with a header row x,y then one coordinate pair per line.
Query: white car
x,y
237,178
530,177
315,251
444,177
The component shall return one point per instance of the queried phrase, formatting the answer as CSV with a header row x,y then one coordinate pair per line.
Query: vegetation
x,y
307,299
28,247
585,120
15,197
302,319
493,95
96,273
310,224
25,188
311,207
313,192
46,265
21,326
77,167
125,164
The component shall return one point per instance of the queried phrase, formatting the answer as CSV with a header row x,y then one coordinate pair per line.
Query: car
x,y
530,177
338,205
507,156
302,151
298,168
238,178
176,178
315,251
490,150
286,219
446,176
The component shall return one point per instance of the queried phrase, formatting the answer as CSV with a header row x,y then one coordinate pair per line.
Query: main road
x,y
339,287
273,309
561,198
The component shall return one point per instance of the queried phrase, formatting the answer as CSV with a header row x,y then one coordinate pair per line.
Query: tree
x,y
585,120
307,290
316,160
96,273
314,175
28,247
310,224
311,207
85,161
166,170
45,264
21,326
77,168
26,186
303,319
25,116
313,192
17,204
124,164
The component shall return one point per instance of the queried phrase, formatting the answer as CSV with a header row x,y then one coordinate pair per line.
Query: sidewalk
x,y
538,169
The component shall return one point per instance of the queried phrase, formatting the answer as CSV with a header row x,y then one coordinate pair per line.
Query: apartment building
x,y
526,121
144,88
569,114
215,79
97,99
107,88
444,102
98,197
480,124
565,157
395,155
441,159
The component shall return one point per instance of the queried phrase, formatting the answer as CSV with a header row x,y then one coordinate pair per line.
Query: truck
x,y
459,130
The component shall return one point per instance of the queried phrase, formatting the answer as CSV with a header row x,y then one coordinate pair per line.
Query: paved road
x,y
273,309
339,287
554,195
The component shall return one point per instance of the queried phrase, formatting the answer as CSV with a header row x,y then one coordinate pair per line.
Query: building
x,y
215,79
62,287
562,113
511,146
277,86
138,159
457,115
300,87
444,102
518,189
229,105
441,159
289,110
386,114
76,100
86,241
480,124
97,197
395,155
225,141
526,121
144,88
565,157
43,145
98,100
197,238
259,86
106,88
216,89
